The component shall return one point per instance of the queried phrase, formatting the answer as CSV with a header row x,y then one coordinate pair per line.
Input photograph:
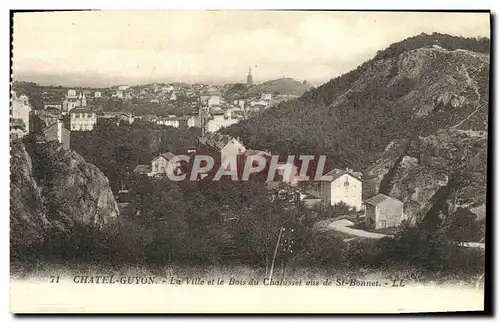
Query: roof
x,y
253,152
168,156
149,117
379,198
141,169
17,123
80,110
44,130
218,140
336,173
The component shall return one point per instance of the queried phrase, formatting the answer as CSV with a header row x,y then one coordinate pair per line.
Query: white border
x,y
214,4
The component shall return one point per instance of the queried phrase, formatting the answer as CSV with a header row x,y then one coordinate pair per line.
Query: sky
x,y
104,48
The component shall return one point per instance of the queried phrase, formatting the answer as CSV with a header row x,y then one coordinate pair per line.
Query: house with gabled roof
x,y
382,211
165,163
342,186
57,132
224,144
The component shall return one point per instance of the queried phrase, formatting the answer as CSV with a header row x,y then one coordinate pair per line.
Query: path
x,y
343,226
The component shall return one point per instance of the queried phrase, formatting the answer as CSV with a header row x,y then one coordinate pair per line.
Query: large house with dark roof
x,y
57,132
342,186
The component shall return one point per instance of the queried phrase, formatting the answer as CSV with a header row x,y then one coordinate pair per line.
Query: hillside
x,y
52,190
413,119
283,86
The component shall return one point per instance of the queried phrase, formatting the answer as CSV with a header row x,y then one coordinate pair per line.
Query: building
x,y
48,116
97,94
171,121
57,132
149,118
219,119
224,144
17,128
142,169
127,117
193,121
204,96
214,100
53,105
343,186
83,119
249,76
72,101
266,97
165,163
21,109
382,211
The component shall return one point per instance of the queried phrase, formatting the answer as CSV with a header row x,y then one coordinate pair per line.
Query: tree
x,y
461,226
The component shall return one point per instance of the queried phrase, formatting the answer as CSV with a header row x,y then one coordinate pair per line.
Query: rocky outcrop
x,y
28,221
55,189
448,172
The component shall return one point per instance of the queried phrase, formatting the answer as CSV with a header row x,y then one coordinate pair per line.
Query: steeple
x,y
83,100
249,76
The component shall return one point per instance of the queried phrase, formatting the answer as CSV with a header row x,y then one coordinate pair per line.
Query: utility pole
x,y
285,242
282,229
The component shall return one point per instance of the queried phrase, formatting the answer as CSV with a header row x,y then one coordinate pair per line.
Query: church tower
x,y
83,100
249,76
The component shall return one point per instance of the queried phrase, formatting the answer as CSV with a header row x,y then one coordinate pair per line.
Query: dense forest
x,y
117,149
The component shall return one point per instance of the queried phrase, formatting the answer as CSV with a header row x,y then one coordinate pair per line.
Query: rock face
x,y
28,220
447,171
414,119
54,189
440,165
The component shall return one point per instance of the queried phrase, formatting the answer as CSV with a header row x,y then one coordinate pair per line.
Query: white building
x,y
344,186
382,211
225,144
193,121
214,100
97,94
72,101
82,119
164,164
219,120
168,121
21,109
266,96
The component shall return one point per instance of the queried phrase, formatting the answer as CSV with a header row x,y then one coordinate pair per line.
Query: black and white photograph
x,y
252,161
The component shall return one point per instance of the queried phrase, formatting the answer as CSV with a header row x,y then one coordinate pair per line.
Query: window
x,y
383,223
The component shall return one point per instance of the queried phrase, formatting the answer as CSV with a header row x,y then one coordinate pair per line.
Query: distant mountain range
x,y
282,85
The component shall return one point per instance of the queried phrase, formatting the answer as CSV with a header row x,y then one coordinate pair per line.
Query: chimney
x,y
59,130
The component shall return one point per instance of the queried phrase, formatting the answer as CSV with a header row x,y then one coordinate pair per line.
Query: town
x,y
208,108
